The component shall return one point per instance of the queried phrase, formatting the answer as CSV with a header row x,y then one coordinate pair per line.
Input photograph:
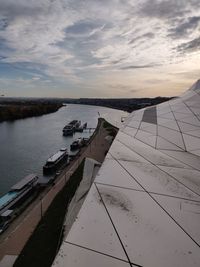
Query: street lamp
x,y
41,213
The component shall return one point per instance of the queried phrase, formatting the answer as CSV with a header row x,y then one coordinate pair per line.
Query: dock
x,y
89,129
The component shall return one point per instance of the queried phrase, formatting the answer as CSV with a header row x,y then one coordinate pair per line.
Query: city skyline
x,y
93,48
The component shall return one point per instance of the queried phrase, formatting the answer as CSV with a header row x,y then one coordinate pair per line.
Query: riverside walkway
x,y
14,239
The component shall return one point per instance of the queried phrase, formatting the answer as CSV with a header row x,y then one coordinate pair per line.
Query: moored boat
x,y
71,127
68,130
55,161
73,154
78,143
76,124
17,191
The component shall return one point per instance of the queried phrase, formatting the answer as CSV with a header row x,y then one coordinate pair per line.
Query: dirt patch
x,y
116,199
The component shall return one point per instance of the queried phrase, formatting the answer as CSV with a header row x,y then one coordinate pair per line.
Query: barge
x,y
17,192
71,127
68,130
78,143
74,126
55,161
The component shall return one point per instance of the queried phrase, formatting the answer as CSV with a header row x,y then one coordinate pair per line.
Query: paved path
x,y
14,239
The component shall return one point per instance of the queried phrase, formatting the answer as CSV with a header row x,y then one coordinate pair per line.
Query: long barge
x,y
74,126
17,192
55,161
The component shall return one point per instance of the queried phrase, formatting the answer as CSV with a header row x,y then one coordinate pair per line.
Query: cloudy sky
x,y
98,48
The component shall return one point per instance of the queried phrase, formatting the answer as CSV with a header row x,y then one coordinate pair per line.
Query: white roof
x,y
143,208
6,213
24,182
63,149
56,156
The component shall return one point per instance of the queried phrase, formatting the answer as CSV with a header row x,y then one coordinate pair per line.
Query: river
x,y
26,144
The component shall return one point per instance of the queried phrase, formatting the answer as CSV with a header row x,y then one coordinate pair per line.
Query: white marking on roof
x,y
56,156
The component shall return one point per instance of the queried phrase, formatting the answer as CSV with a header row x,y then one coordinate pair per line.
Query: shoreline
x,y
12,112
15,237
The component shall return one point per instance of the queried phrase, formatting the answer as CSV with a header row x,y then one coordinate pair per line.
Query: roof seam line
x,y
115,228
191,110
150,192
178,127
161,169
161,207
99,252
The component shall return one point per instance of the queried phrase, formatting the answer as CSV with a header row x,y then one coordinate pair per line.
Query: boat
x,y
73,154
68,130
16,193
85,141
55,161
71,127
78,143
76,124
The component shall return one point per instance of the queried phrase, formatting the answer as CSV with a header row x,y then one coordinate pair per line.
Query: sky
x,y
99,48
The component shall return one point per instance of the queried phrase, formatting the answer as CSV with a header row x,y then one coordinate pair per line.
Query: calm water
x,y
26,144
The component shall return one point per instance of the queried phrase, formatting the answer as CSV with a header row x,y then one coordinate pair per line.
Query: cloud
x,y
180,20
163,9
189,74
84,28
61,37
190,46
134,90
120,88
36,78
144,37
57,37
186,28
139,67
32,33
168,9
12,9
73,42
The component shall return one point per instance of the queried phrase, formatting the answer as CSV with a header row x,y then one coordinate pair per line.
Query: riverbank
x,y
26,144
125,104
21,230
15,111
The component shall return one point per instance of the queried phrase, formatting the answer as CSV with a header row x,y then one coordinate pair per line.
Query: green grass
x,y
107,125
112,130
40,250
